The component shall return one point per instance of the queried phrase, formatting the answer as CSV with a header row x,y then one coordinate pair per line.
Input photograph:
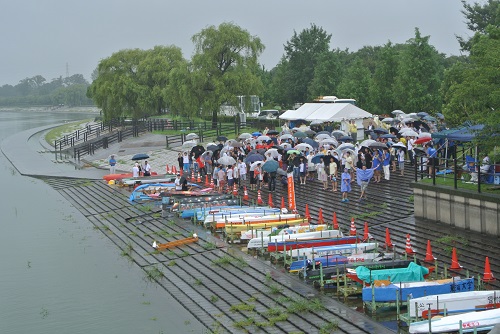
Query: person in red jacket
x,y
201,166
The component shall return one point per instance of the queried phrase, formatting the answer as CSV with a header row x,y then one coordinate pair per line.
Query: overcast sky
x,y
43,36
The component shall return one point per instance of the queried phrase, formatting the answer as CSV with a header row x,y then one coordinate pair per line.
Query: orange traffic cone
x,y
366,233
352,231
174,170
454,260
212,184
335,222
388,242
235,190
245,194
259,198
307,214
408,249
167,169
270,200
488,275
282,203
206,180
198,179
320,216
428,253
192,176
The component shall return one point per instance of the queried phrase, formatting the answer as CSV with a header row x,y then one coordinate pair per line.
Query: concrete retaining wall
x,y
463,209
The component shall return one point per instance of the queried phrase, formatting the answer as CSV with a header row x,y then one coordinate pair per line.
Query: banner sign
x,y
291,193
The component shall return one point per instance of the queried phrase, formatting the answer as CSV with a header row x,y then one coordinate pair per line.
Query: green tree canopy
x,y
224,66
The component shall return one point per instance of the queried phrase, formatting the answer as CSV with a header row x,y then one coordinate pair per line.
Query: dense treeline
x,y
36,91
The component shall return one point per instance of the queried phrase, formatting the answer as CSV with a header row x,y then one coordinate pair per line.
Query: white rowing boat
x,y
264,242
470,322
256,233
458,302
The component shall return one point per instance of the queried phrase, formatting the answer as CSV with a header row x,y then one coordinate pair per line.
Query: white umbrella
x,y
286,136
397,112
404,130
322,136
273,151
329,141
191,136
411,133
189,144
286,145
245,135
424,135
303,146
254,164
388,120
226,160
407,120
413,115
367,142
399,145
263,138
345,146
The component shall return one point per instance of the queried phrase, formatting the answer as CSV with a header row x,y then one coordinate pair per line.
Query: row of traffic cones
x,y
409,250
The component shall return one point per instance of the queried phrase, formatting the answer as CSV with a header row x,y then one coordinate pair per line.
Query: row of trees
x,y
71,91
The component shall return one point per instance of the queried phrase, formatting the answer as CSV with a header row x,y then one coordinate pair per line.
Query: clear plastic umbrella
x,y
245,135
191,136
189,144
226,160
322,136
303,146
367,142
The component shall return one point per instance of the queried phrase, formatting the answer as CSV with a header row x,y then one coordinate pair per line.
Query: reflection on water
x,y
58,274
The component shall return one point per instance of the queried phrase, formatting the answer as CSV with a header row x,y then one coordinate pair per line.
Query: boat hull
x,y
299,244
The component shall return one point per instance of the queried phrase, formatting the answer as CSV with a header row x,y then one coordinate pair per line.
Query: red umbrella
x,y
422,140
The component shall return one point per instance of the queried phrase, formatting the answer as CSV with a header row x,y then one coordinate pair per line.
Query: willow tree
x,y
224,65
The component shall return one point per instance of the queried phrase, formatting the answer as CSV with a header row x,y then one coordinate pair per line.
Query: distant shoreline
x,y
88,109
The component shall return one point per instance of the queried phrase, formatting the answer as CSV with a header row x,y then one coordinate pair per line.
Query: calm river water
x,y
58,274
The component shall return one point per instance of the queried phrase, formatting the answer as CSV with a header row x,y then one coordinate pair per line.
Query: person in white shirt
x,y
146,168
411,153
177,182
135,170
229,175
242,168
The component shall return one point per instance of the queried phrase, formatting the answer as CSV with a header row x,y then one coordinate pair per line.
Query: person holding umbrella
x,y
345,186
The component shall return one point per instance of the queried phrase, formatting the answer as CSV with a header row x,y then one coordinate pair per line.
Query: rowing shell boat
x,y
271,240
253,233
237,228
296,243
253,219
470,322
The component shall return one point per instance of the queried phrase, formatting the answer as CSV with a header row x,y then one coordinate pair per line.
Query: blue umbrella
x,y
388,135
422,114
140,156
270,166
311,142
380,130
256,134
254,157
440,116
345,138
317,158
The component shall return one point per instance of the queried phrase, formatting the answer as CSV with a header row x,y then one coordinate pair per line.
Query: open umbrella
x,y
309,132
303,146
380,130
329,141
345,146
399,146
429,118
424,134
191,136
226,160
272,132
189,144
293,151
338,133
388,120
422,140
410,133
367,142
197,150
286,136
321,136
397,112
236,144
270,166
388,135
273,151
256,134
140,156
299,134
323,133
245,135
311,142
212,147
317,158
439,115
422,114
419,151
377,145
345,139
221,138
254,164
263,138
254,157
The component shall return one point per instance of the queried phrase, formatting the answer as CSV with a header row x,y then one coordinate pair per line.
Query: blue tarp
x,y
412,273
463,133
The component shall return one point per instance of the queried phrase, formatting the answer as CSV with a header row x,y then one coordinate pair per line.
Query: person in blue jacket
x,y
386,163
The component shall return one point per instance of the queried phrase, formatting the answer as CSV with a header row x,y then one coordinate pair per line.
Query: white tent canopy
x,y
326,112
